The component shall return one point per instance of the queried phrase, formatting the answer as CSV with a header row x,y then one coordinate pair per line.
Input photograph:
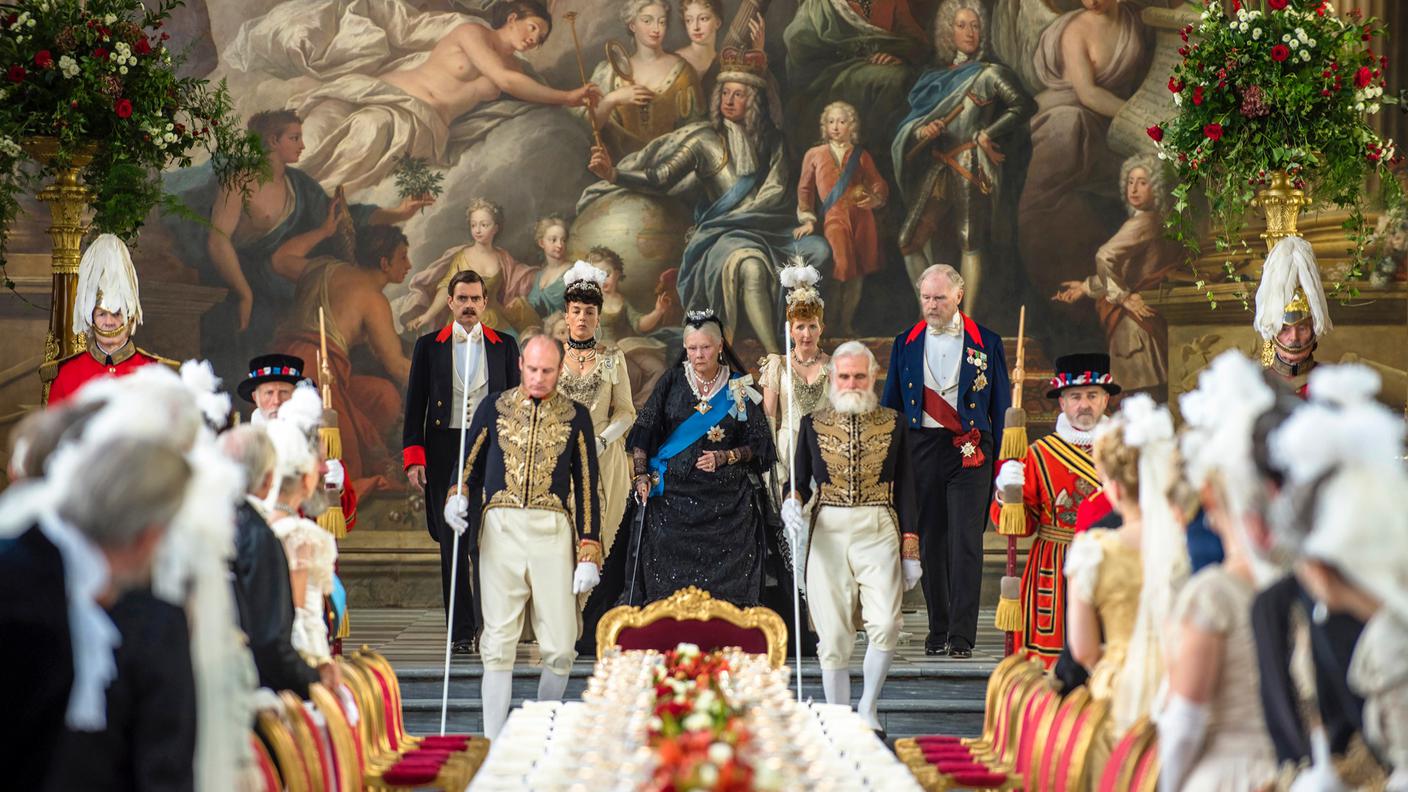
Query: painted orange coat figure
x,y
848,227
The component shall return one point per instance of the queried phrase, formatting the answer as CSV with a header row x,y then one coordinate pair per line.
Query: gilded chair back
x,y
268,771
293,766
346,755
1037,713
319,764
1073,762
1048,739
1125,757
665,623
1145,777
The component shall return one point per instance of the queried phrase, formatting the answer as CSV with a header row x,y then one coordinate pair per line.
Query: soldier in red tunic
x,y
106,312
1055,478
1292,312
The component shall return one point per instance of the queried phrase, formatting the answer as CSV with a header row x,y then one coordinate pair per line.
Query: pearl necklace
x,y
701,390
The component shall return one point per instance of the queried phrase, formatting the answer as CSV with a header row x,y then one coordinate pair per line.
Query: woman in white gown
x,y
311,550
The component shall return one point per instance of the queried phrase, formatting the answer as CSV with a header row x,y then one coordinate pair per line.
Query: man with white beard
x,y
864,544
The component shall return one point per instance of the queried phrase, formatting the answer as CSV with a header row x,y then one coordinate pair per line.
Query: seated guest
x,y
1212,674
263,597
312,551
56,579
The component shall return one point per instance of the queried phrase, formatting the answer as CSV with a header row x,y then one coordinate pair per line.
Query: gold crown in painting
x,y
754,62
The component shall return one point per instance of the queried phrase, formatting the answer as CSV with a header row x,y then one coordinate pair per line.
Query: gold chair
x,y
315,759
691,615
346,752
293,769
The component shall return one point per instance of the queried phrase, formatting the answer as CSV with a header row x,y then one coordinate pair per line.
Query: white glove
x,y
1011,478
456,511
600,446
336,477
911,571
793,521
585,578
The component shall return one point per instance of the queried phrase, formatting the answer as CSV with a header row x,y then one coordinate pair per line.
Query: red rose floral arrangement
x,y
695,731
1285,89
99,77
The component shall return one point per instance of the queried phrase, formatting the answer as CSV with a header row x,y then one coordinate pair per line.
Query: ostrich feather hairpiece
x,y
582,271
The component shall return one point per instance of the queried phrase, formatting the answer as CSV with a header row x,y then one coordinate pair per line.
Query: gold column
x,y
68,199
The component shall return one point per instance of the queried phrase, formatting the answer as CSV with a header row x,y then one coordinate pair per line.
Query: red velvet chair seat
x,y
980,779
409,774
667,633
937,739
454,742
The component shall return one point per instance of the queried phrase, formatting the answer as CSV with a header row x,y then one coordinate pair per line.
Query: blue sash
x,y
842,183
730,199
689,431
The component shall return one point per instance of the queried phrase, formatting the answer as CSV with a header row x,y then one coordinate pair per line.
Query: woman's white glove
x,y
456,513
911,570
1011,478
585,578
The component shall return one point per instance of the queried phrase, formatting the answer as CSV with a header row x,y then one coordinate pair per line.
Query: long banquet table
x,y
611,740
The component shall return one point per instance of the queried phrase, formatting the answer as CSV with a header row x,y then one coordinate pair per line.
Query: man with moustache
x,y
530,490
1051,482
863,539
431,436
948,377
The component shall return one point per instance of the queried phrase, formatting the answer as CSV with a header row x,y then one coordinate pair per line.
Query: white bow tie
x,y
952,328
468,335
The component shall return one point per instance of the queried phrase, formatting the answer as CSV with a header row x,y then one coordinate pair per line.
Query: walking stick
x,y
1012,521
571,17
455,550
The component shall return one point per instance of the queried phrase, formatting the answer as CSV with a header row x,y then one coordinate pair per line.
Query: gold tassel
x,y
1013,519
333,521
1009,605
1014,434
331,438
344,627
1009,615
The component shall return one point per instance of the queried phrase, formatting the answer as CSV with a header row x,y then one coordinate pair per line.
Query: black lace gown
x,y
707,529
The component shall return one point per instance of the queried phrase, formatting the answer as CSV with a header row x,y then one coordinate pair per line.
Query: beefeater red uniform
x,y
1060,475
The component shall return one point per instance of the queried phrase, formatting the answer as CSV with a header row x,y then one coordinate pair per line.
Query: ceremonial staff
x,y
455,547
571,17
332,520
1012,522
793,276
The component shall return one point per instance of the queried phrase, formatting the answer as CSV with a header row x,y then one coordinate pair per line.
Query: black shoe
x,y
463,647
960,654
933,650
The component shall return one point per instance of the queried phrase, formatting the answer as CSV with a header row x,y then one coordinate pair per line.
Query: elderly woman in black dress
x,y
699,447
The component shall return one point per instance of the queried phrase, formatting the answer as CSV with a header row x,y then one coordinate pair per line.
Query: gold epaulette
x,y
49,369
165,361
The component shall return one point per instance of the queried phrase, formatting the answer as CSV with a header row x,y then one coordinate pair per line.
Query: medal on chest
x,y
715,433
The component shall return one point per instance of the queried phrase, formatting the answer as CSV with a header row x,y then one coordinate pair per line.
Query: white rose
x,y
122,70
1310,43
1286,38
1256,34
1178,99
1373,108
1305,55
720,753
1293,43
696,721
109,19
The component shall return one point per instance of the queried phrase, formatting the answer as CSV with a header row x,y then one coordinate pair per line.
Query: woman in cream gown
x,y
1104,576
786,399
662,92
594,375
